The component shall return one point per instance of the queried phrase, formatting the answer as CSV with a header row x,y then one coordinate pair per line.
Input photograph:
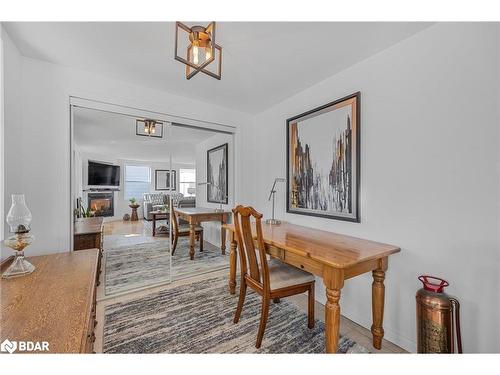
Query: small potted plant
x,y
134,206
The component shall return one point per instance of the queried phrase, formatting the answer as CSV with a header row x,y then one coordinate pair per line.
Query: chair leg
x,y
201,241
174,244
263,321
241,301
310,307
276,300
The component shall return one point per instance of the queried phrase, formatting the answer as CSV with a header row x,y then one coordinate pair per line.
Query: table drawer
x,y
303,263
275,252
87,241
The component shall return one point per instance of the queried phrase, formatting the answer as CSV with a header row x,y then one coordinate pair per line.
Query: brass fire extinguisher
x,y
438,318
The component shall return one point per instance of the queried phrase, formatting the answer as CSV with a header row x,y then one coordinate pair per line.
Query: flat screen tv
x,y
100,174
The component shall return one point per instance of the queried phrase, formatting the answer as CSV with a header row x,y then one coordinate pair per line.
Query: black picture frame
x,y
211,190
172,178
355,188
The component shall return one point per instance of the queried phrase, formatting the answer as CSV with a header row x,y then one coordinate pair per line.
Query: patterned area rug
x,y
198,318
139,265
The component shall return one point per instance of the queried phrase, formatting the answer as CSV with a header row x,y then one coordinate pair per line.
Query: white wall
x,y
2,147
42,154
211,230
12,131
429,173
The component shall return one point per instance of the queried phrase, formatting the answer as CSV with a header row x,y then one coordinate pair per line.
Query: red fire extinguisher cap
x,y
433,284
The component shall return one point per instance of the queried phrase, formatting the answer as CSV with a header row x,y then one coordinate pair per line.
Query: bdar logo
x,y
8,346
24,346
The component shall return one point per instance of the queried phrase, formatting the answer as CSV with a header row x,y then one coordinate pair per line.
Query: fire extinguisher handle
x,y
456,310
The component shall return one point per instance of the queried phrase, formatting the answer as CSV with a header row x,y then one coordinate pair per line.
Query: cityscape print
x,y
322,163
217,174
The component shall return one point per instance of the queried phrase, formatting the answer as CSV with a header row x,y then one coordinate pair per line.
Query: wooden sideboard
x,y
88,234
56,303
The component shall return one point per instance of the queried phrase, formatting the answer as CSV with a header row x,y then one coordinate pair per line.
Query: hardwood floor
x,y
122,233
128,227
353,330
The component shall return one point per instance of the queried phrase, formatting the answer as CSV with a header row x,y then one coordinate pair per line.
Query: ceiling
x,y
263,63
113,135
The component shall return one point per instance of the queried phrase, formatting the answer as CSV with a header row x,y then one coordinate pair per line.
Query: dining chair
x,y
271,279
182,230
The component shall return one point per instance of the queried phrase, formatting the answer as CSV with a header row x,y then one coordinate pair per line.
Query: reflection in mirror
x,y
133,184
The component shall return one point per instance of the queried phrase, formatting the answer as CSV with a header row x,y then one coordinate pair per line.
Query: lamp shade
x,y
19,216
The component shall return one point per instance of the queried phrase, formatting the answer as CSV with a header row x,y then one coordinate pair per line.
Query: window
x,y
187,182
137,181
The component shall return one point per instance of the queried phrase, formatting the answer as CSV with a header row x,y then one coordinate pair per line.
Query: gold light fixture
x,y
149,128
201,50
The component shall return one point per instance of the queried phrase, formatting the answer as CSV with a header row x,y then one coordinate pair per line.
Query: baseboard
x,y
389,334
366,321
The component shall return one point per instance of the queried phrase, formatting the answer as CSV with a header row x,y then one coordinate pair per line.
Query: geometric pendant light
x,y
149,128
201,50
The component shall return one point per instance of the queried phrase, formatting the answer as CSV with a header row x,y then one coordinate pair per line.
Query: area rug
x,y
198,318
140,265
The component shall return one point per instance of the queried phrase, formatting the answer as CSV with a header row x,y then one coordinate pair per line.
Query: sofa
x,y
155,201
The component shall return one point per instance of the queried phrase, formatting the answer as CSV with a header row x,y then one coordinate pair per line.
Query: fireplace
x,y
101,203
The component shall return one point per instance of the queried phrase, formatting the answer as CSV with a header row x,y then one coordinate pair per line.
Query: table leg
x,y
378,296
223,235
154,225
232,265
191,240
334,280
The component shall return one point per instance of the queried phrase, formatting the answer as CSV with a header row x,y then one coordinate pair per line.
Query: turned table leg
x,y
334,280
191,240
232,264
378,295
223,235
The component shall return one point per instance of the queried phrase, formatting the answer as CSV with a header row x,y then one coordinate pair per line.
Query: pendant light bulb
x,y
195,54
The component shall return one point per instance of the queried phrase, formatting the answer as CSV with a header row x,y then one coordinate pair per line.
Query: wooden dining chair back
x,y
253,259
174,221
182,231
272,279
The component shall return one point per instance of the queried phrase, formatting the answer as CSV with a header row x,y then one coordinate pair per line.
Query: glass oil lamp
x,y
19,219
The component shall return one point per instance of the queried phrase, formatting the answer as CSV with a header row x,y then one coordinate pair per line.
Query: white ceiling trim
x,y
142,113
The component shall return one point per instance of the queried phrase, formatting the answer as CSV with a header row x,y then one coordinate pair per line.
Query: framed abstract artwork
x,y
323,156
163,179
217,174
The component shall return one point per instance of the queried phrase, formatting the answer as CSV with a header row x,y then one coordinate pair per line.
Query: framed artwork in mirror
x,y
217,175
163,179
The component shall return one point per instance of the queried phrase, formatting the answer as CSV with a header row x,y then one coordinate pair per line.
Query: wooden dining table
x,y
331,256
197,215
